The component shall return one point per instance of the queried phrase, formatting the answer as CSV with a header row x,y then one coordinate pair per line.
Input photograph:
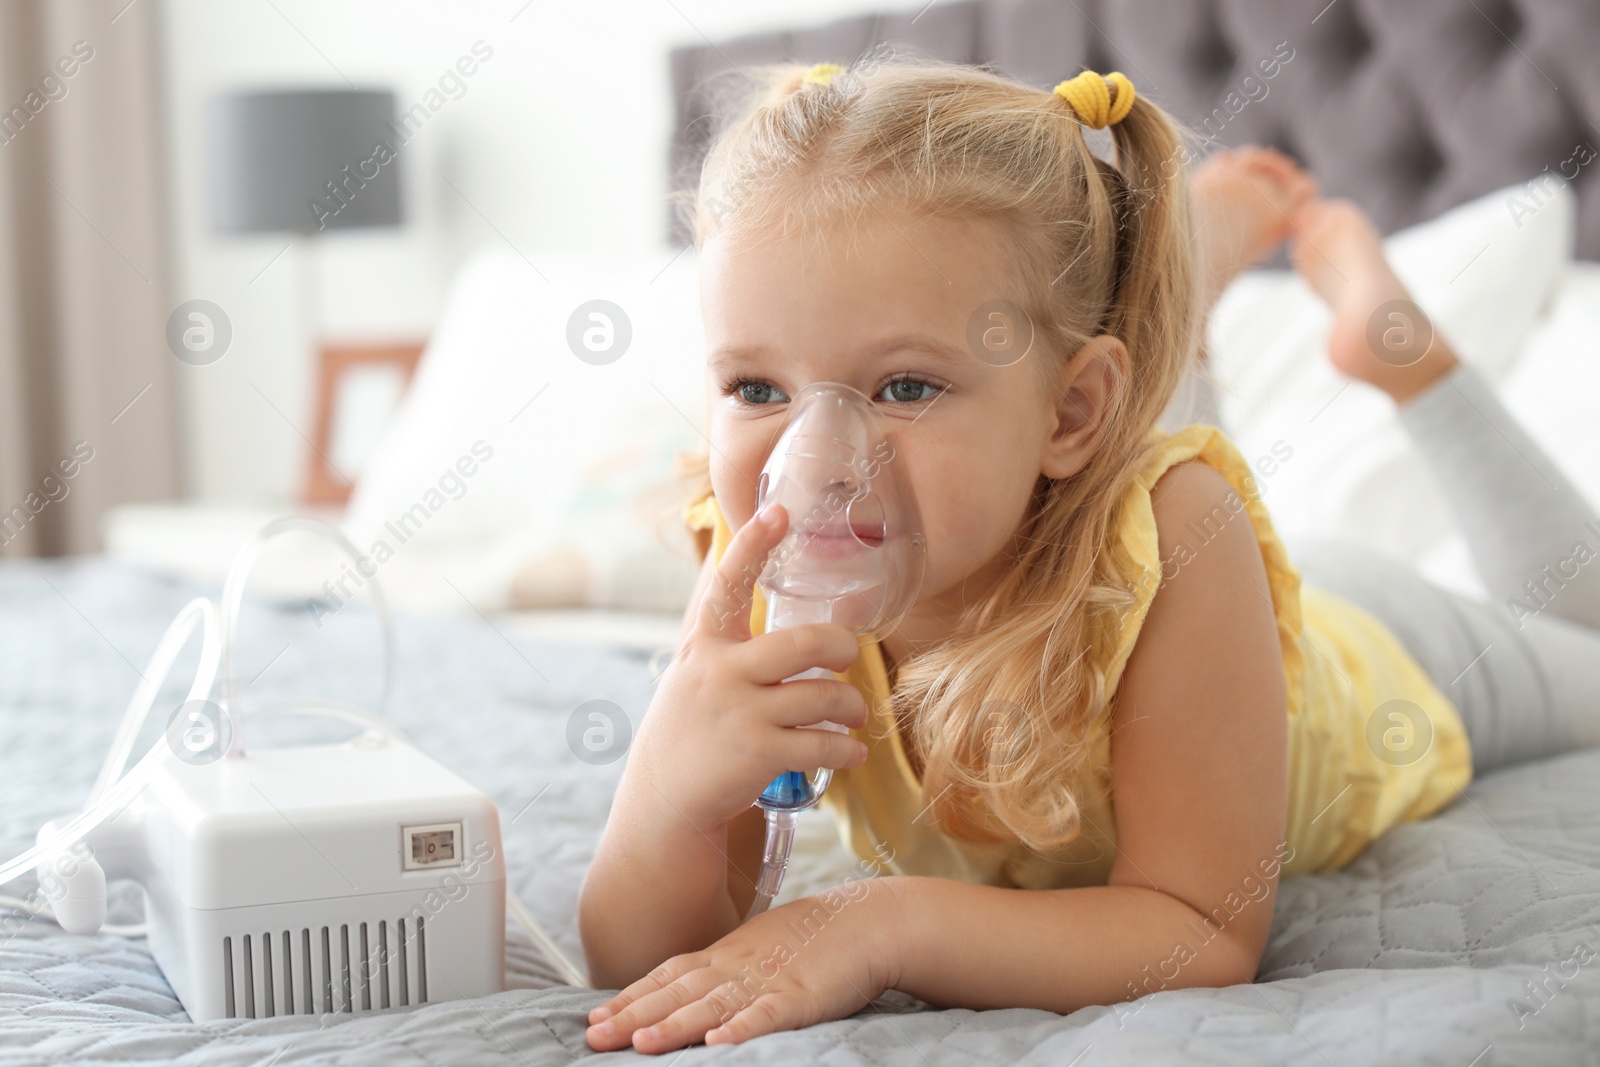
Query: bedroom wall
x,y
558,143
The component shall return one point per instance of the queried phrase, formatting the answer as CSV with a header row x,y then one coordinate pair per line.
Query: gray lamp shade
x,y
304,160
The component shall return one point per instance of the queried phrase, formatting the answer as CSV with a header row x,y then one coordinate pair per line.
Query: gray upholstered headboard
x,y
1406,106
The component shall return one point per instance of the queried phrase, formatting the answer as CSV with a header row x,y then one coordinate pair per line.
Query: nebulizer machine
x,y
345,877
853,554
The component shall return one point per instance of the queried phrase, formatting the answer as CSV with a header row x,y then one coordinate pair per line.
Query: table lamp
x,y
301,162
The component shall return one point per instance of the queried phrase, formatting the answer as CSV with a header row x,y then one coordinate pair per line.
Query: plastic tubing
x,y
233,599
75,829
114,789
155,673
116,785
781,827
524,918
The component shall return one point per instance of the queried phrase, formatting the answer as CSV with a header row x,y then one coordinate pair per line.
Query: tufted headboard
x,y
1408,107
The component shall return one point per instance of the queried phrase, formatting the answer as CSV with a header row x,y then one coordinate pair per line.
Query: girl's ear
x,y
1091,379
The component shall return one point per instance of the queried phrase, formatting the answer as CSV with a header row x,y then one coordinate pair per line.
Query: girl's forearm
x,y
975,946
658,888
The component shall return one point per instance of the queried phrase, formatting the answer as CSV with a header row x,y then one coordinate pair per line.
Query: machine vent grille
x,y
341,968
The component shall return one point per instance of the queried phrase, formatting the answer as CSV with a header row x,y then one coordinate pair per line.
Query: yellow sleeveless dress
x,y
1372,741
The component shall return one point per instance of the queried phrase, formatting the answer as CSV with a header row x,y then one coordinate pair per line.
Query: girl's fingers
x,y
725,607
766,1015
667,973
804,749
651,1008
809,701
720,1005
771,657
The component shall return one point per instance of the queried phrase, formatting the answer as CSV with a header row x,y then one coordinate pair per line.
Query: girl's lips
x,y
871,533
838,539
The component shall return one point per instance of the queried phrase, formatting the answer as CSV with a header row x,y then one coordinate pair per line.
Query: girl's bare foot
x,y
1244,198
1379,335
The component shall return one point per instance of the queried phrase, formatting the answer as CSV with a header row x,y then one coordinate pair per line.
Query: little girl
x,y
1103,603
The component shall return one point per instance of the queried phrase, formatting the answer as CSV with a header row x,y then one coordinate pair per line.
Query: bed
x,y
1472,938
1422,951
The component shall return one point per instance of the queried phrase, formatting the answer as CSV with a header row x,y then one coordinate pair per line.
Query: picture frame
x,y
359,389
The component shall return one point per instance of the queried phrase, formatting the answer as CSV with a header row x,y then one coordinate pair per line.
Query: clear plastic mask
x,y
854,551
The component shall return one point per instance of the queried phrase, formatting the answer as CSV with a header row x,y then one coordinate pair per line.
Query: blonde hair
x,y
1001,713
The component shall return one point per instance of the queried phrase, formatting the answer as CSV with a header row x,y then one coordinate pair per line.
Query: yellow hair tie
x,y
1090,96
821,74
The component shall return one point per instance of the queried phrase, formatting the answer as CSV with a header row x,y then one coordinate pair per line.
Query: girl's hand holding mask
x,y
720,726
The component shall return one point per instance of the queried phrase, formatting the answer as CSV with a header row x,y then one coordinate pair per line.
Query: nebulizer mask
x,y
853,554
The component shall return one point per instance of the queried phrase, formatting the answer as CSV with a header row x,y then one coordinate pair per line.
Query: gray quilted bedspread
x,y
1449,942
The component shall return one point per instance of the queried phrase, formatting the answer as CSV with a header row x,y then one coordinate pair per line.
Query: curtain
x,y
88,406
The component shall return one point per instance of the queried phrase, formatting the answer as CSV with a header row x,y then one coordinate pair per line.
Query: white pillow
x,y
1484,277
1554,389
578,452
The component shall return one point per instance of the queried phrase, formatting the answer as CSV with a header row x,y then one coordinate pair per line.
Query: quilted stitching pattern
x,y
1410,955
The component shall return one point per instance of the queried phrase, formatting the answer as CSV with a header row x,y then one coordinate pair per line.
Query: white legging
x,y
1523,668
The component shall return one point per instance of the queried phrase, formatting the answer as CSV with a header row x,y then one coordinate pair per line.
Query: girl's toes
x,y
1282,161
1309,220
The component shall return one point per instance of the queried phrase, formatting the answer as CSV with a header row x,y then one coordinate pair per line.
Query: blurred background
x,y
557,141
112,171
410,266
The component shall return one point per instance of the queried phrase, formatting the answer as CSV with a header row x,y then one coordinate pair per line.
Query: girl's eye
x,y
755,392
909,389
906,389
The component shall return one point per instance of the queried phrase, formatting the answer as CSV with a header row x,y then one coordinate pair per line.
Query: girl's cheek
x,y
730,483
